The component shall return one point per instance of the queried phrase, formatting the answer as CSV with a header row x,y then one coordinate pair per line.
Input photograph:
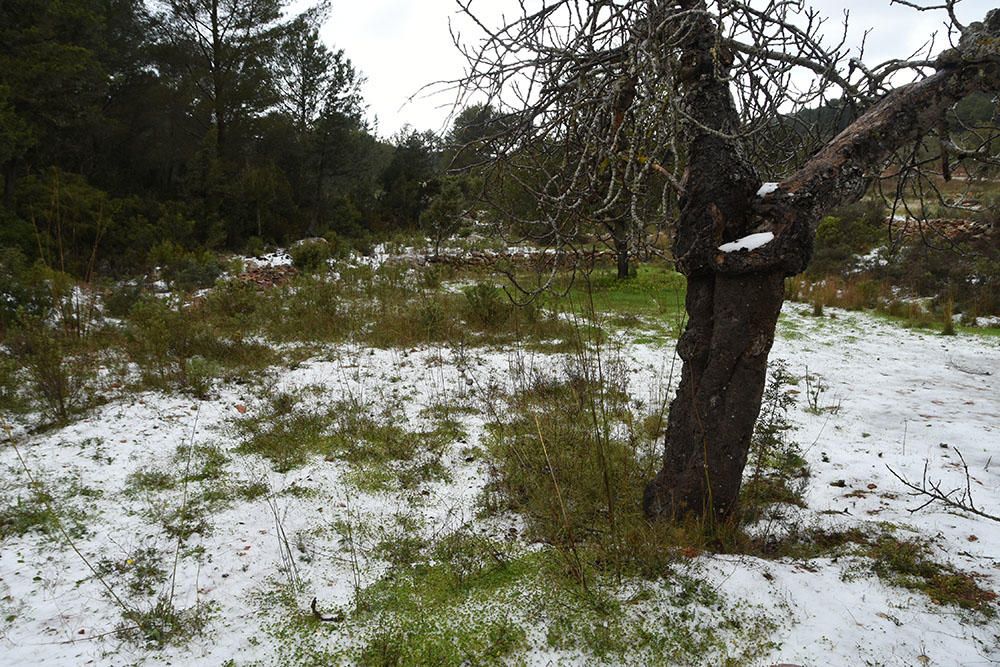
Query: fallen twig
x,y
958,498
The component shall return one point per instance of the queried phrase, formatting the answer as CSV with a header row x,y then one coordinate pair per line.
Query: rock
x,y
310,241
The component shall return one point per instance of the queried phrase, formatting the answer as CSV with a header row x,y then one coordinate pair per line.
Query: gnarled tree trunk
x,y
734,298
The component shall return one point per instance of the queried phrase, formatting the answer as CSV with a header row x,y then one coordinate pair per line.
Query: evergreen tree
x,y
411,177
225,46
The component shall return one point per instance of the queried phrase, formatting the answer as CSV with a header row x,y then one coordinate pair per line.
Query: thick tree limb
x,y
841,172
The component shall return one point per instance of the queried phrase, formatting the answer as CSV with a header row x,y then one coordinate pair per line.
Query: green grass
x,y
210,488
382,450
141,572
907,564
162,623
148,481
288,430
45,505
875,297
653,297
986,332
933,325
469,600
27,513
387,307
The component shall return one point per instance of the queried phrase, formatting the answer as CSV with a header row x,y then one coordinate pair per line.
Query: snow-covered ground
x,y
898,398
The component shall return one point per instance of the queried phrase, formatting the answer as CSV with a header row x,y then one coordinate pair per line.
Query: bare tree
x,y
607,102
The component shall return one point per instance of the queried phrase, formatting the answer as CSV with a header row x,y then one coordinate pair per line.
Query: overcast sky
x,y
401,45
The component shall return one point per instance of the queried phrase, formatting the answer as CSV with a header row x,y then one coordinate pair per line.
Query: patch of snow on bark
x,y
751,242
766,189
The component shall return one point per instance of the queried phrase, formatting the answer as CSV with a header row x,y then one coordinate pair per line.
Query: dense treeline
x,y
132,129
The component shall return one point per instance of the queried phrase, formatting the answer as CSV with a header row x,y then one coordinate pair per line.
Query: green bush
x,y
12,397
340,246
572,455
486,306
849,231
155,334
186,270
58,364
310,255
777,469
22,288
432,318
199,374
254,247
119,298
176,345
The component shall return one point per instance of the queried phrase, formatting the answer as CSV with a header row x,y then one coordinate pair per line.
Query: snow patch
x,y
766,189
279,257
751,242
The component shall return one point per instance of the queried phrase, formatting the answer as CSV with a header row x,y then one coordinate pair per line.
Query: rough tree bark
x,y
734,298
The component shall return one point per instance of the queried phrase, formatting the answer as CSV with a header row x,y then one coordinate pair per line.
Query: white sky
x,y
401,45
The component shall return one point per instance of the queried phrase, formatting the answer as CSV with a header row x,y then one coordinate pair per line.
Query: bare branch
x,y
958,498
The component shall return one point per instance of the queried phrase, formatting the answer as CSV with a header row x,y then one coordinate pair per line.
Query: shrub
x,y
907,563
22,288
11,397
340,246
254,247
119,298
948,328
59,366
777,469
486,306
849,231
432,318
177,345
27,514
571,455
199,374
186,270
163,623
155,334
287,431
310,255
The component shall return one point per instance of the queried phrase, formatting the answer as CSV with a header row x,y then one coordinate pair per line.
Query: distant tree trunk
x,y
9,174
734,298
318,209
620,233
221,132
218,101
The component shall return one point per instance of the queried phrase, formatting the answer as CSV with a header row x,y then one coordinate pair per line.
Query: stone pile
x,y
956,230
264,275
